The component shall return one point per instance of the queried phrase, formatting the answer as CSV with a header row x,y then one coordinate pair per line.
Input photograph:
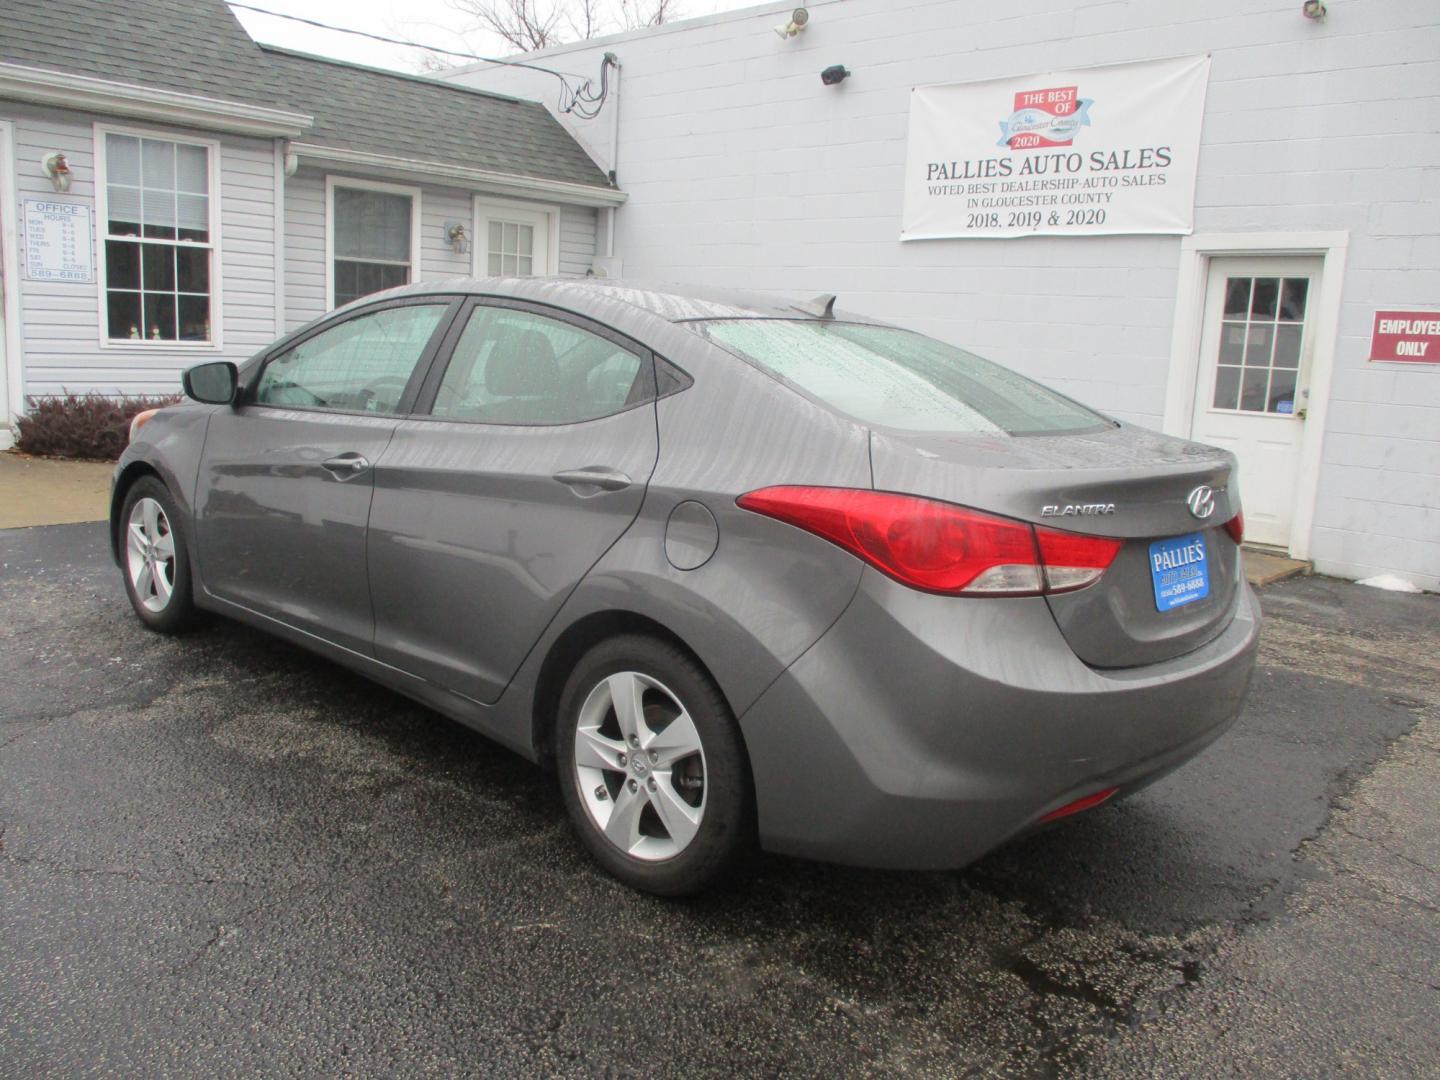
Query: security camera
x,y
1313,9
834,75
798,18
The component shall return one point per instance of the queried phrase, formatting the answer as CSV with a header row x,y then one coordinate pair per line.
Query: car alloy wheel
x,y
640,766
150,554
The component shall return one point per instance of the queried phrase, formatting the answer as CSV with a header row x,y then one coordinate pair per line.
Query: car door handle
x,y
593,476
344,466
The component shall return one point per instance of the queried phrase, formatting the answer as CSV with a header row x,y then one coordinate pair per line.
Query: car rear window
x,y
895,378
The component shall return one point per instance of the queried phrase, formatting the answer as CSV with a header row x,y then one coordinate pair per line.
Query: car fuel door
x,y
532,461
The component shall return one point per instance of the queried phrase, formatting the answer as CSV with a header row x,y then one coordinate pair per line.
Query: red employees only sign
x,y
1406,337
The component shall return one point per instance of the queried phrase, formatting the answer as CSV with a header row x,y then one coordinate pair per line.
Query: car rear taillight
x,y
1073,561
1236,527
939,547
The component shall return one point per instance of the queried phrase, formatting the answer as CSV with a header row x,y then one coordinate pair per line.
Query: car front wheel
x,y
154,557
652,767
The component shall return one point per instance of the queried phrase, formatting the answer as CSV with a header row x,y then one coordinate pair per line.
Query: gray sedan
x,y
741,570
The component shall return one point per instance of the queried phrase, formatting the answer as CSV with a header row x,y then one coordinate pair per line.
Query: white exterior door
x,y
513,240
1252,389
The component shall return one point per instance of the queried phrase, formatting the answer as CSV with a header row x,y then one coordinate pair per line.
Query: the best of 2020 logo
x,y
1045,118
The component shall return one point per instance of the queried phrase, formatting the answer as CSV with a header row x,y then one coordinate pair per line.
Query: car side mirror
x,y
212,384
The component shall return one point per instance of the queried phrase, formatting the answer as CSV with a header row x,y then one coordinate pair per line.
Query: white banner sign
x,y
1069,153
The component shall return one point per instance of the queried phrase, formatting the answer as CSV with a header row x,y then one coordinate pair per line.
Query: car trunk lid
x,y
1121,482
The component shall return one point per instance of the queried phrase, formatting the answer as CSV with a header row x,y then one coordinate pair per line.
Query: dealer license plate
x,y
1179,570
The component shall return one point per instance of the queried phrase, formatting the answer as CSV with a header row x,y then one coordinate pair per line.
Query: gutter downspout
x,y
281,152
614,62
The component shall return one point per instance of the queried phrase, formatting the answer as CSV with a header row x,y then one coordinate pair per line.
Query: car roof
x,y
670,302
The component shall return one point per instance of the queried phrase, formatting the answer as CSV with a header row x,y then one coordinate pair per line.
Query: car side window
x,y
516,367
361,365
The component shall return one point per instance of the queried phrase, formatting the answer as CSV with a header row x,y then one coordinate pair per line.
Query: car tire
x,y
155,557
670,811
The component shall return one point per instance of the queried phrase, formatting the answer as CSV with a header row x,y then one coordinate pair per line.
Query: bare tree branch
x,y
531,25
639,14
528,25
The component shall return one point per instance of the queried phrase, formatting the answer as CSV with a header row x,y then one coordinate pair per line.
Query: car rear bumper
x,y
921,731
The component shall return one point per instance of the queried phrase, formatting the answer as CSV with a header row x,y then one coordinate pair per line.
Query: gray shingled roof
x,y
193,46
383,112
198,47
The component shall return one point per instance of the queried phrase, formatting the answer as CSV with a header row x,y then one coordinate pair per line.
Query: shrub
x,y
88,426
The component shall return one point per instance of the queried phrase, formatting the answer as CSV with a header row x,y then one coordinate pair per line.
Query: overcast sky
x,y
437,22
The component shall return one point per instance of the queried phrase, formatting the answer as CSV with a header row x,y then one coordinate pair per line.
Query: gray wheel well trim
x,y
574,642
123,483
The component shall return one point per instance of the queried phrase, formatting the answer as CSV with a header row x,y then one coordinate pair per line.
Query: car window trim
x,y
425,401
451,305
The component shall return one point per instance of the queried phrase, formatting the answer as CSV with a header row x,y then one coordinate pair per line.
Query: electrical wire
x,y
581,99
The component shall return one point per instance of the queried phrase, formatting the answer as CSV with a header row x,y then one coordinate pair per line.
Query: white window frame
x,y
331,183
480,248
1196,251
102,233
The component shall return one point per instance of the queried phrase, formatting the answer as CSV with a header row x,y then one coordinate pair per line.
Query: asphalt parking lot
x,y
221,856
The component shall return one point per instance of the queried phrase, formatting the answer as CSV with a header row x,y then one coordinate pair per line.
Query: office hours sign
x,y
1094,151
58,245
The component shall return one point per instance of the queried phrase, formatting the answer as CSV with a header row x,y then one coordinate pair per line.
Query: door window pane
x,y
1232,343
1282,392
1237,297
1257,349
510,251
1262,303
360,365
1287,346
1292,299
513,367
1227,387
1262,328
1252,389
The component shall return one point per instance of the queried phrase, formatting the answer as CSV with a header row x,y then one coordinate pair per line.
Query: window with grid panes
x,y
1260,338
511,249
158,245
372,242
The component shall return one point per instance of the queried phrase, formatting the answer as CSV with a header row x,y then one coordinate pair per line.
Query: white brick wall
x,y
743,170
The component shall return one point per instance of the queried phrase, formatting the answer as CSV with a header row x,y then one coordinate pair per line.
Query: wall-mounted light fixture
x,y
798,20
1313,9
834,75
457,236
57,169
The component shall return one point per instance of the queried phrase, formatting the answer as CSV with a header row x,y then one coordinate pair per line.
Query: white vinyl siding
x,y
577,240
61,331
305,268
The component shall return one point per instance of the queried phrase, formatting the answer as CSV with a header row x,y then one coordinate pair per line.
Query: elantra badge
x,y
1201,501
1076,509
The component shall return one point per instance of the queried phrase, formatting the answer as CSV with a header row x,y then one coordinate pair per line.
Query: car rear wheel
x,y
652,767
154,557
